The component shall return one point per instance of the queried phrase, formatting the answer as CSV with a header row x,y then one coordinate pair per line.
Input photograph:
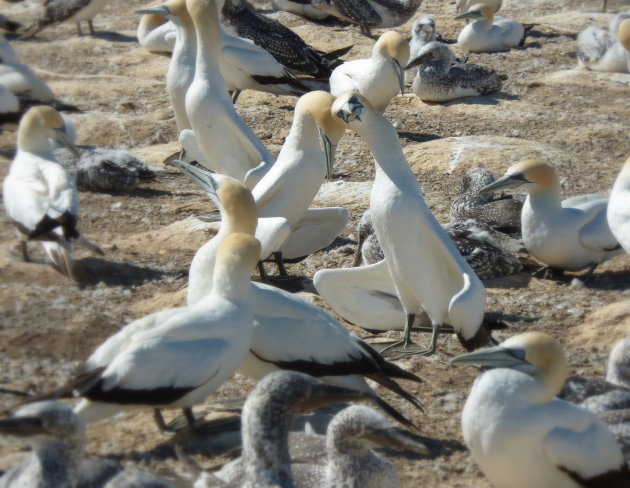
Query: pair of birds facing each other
x,y
441,284
606,50
487,34
520,435
567,235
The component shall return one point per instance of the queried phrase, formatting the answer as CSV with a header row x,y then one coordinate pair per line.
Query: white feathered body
x,y
618,213
482,36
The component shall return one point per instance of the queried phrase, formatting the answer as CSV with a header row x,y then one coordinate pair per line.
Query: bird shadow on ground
x,y
113,36
536,34
608,280
140,192
417,137
491,99
91,271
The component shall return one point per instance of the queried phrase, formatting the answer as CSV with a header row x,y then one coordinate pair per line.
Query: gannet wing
x,y
595,233
63,195
26,201
258,61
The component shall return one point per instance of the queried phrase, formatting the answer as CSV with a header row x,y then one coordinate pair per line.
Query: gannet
x,y
299,7
8,54
40,196
228,143
57,439
441,283
185,354
302,162
520,435
422,32
9,107
19,78
378,78
240,19
370,13
503,212
440,78
487,34
58,11
623,36
601,50
156,34
568,235
618,212
289,333
8,25
464,5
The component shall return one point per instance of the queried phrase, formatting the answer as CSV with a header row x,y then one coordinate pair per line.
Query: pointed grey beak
x,y
323,394
475,14
507,182
62,138
351,110
420,60
203,178
22,426
329,152
396,439
162,10
400,73
494,357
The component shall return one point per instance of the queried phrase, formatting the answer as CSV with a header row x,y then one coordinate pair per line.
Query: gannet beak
x,y
419,60
494,357
396,439
62,138
508,181
329,152
162,10
203,178
351,110
22,426
400,73
323,394
475,14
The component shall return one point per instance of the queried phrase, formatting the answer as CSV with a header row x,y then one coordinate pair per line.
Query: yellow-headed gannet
x,y
602,50
502,213
427,270
378,78
464,5
303,163
370,13
186,354
298,7
423,31
57,438
228,143
441,78
520,435
156,34
289,333
618,212
487,34
241,20
568,235
623,36
40,196
58,11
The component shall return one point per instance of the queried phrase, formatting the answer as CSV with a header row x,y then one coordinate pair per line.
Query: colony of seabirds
x,y
409,271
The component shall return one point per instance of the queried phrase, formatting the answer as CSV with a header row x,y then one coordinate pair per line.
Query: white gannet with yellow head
x,y
568,235
378,78
520,435
428,271
40,196
618,212
623,36
487,34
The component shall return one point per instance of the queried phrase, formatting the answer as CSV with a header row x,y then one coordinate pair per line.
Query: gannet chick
x,y
289,333
57,438
502,213
58,11
442,283
440,78
8,54
520,435
185,355
8,25
241,20
464,5
370,13
378,78
600,49
618,213
487,34
568,235
156,34
298,8
302,163
40,196
229,145
423,31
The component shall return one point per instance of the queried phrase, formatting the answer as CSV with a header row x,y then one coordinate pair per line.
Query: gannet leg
x,y
589,273
23,247
159,421
357,257
423,352
365,30
190,417
79,28
91,27
280,263
406,339
604,5
235,95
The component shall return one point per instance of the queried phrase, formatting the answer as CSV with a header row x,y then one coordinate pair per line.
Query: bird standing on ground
x,y
618,212
58,11
520,435
487,34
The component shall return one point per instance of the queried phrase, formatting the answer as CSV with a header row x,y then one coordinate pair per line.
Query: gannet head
x,y
423,28
395,47
530,175
318,104
430,51
534,353
173,10
361,427
151,21
40,123
619,363
45,422
349,107
478,11
623,34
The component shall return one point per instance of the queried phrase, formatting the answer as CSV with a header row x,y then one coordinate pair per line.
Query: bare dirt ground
x,y
576,119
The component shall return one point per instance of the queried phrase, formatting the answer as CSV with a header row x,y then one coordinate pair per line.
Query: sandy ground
x,y
576,119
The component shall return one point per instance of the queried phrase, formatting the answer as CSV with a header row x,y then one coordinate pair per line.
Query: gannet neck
x,y
304,131
34,129
238,208
206,21
318,104
618,371
148,22
235,260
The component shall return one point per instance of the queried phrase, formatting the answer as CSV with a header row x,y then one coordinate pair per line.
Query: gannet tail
x,y
60,254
